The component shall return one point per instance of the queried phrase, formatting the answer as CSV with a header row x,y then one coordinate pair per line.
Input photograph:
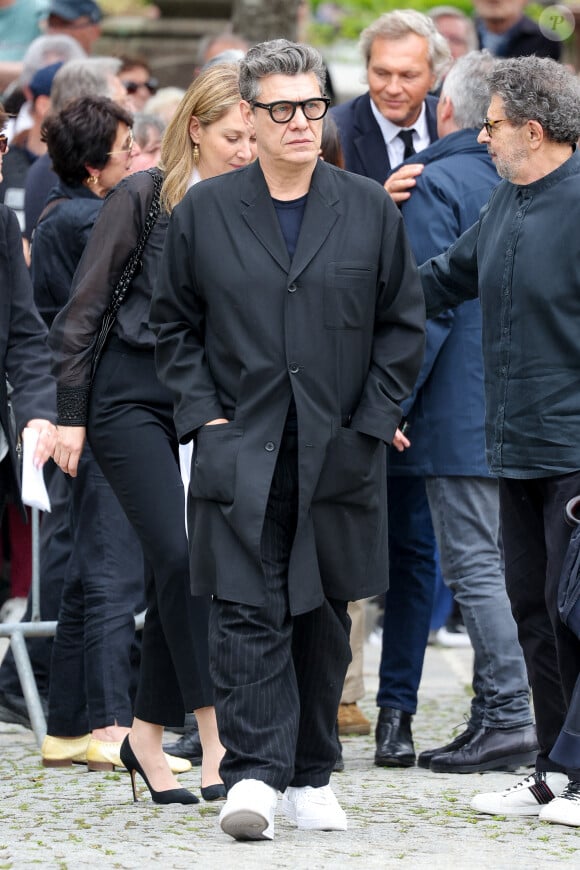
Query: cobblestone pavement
x,y
69,818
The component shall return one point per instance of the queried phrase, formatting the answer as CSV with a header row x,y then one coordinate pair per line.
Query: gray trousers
x,y
465,513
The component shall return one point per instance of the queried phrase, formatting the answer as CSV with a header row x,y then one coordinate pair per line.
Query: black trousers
x,y
535,539
278,678
132,434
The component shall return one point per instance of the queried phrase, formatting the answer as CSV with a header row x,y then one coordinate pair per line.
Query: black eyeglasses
x,y
491,125
3,143
282,111
132,87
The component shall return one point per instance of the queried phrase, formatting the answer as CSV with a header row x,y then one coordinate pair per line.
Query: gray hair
x,y
438,12
400,23
467,86
90,77
46,50
278,57
539,89
143,123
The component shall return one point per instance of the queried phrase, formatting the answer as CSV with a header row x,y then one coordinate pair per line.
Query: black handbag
x,y
129,272
569,588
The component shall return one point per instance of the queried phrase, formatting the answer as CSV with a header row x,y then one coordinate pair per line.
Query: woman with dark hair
x,y
91,145
128,418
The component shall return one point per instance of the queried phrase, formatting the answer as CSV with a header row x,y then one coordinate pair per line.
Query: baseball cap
x,y
72,9
41,82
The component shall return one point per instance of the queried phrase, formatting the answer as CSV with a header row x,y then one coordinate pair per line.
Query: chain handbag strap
x,y
128,273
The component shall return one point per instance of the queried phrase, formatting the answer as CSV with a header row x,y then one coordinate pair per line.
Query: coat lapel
x,y
258,212
369,143
320,216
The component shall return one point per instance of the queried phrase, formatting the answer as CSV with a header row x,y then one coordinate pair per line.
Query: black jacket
x,y
241,330
24,356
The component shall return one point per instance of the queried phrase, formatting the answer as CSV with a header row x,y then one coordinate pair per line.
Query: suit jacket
x,y
362,142
24,356
241,329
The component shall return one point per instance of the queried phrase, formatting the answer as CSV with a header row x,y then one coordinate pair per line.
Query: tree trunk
x,y
260,20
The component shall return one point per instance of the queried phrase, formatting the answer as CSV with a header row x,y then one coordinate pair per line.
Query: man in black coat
x,y
290,327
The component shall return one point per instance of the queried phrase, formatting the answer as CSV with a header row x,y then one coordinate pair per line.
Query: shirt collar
x,y
390,131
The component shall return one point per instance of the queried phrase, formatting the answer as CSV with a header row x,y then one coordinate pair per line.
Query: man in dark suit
x,y
289,330
405,57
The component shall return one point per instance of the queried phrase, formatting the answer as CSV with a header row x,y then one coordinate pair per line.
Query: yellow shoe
x,y
351,720
106,755
63,751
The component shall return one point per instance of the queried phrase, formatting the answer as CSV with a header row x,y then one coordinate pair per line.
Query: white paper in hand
x,y
34,491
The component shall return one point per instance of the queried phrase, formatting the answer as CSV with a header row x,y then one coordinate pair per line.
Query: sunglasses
x,y
3,143
132,87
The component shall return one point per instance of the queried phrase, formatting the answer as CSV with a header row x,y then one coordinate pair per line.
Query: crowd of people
x,y
248,426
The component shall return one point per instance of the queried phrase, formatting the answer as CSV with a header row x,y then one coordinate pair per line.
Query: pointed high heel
x,y
215,792
169,796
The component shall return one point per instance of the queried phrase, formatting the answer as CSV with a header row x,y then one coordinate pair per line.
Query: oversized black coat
x,y
24,355
240,329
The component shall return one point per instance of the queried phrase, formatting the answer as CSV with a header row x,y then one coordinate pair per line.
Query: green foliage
x,y
355,15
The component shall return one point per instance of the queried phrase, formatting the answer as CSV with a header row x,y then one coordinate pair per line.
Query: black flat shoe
x,y
215,792
169,796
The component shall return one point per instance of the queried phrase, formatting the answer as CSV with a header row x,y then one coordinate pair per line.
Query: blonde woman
x,y
129,424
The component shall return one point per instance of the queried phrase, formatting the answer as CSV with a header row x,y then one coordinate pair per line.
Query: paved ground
x,y
70,818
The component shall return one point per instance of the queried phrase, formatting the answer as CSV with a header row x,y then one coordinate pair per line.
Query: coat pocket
x,y
350,474
349,293
213,470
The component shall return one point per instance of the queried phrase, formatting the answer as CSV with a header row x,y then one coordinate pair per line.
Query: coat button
x,y
269,446
294,368
292,288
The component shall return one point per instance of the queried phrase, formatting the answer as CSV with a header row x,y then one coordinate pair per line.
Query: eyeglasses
x,y
491,125
282,111
127,147
132,87
3,143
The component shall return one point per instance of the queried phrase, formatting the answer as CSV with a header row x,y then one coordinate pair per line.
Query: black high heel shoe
x,y
215,792
169,796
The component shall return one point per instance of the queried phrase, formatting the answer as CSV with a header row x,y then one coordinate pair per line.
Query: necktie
x,y
407,137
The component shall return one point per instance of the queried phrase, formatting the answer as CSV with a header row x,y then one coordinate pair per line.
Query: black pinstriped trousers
x,y
278,678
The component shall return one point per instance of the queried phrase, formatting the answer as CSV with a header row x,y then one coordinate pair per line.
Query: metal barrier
x,y
18,631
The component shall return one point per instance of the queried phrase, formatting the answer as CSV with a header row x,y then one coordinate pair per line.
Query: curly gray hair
x,y
402,22
278,56
539,89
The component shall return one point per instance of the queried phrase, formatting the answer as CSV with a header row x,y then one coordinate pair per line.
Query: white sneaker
x,y
248,813
456,637
526,798
314,809
564,809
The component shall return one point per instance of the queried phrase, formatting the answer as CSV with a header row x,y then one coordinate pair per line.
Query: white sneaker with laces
x,y
248,813
526,798
313,809
564,809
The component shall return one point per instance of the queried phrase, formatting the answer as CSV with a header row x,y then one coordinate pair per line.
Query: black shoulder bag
x,y
133,263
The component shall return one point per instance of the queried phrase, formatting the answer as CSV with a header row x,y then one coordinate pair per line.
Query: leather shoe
x,y
491,749
188,746
427,756
394,739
